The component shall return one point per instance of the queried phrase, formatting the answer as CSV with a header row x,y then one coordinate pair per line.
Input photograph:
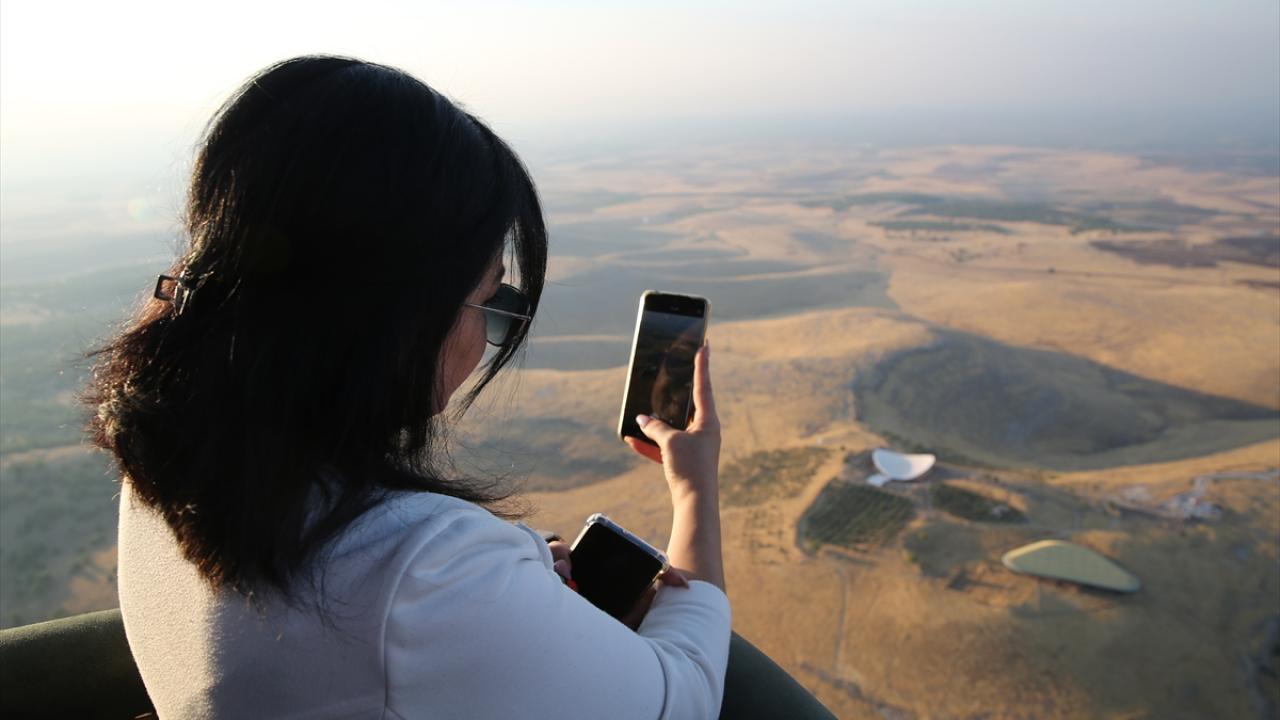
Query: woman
x,y
290,544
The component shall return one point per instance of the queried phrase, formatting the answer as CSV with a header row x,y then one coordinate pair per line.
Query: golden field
x,y
1079,336
929,623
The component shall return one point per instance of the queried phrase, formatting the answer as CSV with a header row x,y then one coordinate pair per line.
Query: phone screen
x,y
660,385
610,571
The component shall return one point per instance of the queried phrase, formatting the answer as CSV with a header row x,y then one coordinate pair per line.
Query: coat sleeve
x,y
480,626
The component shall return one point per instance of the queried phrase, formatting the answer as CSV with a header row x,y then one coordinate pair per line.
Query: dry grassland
x,y
927,623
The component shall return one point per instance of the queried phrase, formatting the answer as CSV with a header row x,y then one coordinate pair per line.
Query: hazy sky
x,y
99,89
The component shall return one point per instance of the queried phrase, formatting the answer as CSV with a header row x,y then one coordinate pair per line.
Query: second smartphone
x,y
670,328
612,567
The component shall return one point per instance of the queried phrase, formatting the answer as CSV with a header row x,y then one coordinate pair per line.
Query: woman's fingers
x,y
559,549
633,618
560,552
643,448
670,577
655,429
673,578
703,399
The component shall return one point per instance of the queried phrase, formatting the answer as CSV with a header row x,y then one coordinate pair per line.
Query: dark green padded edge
x,y
81,667
76,667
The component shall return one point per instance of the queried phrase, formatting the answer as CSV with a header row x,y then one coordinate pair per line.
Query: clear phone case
x,y
602,519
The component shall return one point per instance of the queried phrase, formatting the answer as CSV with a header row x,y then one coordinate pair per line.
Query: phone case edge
x,y
631,359
605,520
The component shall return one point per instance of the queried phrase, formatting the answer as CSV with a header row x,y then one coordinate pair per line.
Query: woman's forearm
x,y
694,548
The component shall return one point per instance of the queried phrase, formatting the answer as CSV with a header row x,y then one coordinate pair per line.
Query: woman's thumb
x,y
653,428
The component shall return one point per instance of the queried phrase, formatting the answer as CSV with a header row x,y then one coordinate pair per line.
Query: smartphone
x,y
612,567
669,330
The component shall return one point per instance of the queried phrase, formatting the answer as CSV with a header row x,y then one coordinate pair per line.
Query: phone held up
x,y
670,328
611,566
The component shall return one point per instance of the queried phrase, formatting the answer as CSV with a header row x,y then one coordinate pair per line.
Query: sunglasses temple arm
x,y
486,308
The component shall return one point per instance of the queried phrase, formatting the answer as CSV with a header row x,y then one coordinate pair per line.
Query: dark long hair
x,y
340,213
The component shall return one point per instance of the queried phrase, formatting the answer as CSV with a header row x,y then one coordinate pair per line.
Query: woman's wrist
x,y
695,536
695,496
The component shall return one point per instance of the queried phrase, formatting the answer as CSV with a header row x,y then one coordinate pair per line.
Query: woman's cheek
x,y
477,344
459,357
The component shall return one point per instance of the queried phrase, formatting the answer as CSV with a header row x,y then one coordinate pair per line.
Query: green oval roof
x,y
1060,560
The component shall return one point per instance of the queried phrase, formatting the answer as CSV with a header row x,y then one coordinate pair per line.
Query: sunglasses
x,y
505,314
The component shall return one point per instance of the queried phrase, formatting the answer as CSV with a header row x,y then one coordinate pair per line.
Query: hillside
x,y
1079,336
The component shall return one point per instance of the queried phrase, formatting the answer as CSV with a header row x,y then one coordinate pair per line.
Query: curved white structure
x,y
878,480
1058,560
898,466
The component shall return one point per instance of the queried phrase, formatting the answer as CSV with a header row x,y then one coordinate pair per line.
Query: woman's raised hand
x,y
690,458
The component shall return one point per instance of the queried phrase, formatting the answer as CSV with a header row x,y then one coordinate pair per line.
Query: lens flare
x,y
140,209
